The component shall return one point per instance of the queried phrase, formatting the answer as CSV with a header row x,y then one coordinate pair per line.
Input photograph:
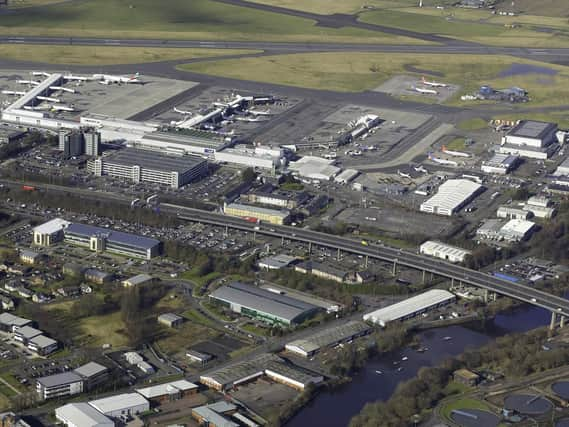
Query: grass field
x,y
327,7
464,27
196,19
106,55
4,402
465,403
16,4
104,329
358,71
186,335
472,124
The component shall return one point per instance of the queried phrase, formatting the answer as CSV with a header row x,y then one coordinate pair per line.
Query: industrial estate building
x,y
532,139
276,262
272,216
262,304
451,196
121,404
10,323
215,414
50,232
143,166
443,251
272,366
514,230
512,212
59,385
82,414
323,271
315,168
167,392
100,239
410,307
330,337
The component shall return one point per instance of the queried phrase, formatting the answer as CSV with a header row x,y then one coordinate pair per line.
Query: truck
x,y
28,188
252,219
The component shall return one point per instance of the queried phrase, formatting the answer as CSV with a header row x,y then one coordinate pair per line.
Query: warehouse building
x,y
198,356
138,280
516,230
327,338
121,404
291,376
323,271
262,304
532,139
346,176
82,415
500,164
266,195
451,196
186,141
50,232
276,262
512,212
170,319
540,211
143,166
410,307
59,385
315,168
272,216
256,157
100,239
214,415
443,251
168,392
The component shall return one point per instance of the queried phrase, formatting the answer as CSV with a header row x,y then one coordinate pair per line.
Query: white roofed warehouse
x,y
82,415
443,251
410,307
167,392
121,404
451,196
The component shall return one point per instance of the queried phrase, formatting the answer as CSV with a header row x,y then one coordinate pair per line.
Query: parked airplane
x,y
433,84
425,91
109,78
185,113
62,107
77,78
36,108
404,175
64,89
420,168
40,73
48,99
248,119
28,82
442,161
454,153
13,92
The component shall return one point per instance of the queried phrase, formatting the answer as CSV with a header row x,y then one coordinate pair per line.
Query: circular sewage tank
x,y
474,418
561,389
562,423
528,404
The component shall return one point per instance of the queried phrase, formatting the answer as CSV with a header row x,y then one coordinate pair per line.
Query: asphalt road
x,y
398,256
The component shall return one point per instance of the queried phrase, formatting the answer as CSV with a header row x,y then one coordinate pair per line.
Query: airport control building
x,y
102,240
143,166
262,304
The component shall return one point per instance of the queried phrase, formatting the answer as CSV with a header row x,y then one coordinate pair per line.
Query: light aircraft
x,y
13,92
36,108
28,82
40,73
48,99
61,88
433,84
77,78
404,175
109,78
425,91
420,169
442,161
454,153
62,107
186,113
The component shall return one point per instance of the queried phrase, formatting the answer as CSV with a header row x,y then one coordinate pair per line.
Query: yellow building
x,y
272,216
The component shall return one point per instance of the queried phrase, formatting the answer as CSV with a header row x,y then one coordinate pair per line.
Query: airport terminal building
x,y
143,166
100,239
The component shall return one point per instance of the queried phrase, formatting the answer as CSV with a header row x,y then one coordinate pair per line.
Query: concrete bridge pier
x,y
486,296
309,248
553,320
282,241
394,270
424,274
366,260
338,256
562,321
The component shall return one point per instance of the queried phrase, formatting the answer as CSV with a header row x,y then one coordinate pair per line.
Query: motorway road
x,y
398,256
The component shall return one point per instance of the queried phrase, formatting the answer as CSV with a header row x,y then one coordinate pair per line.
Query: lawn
x,y
459,26
327,7
456,144
107,329
15,4
196,19
195,316
106,55
464,403
4,402
472,124
254,329
359,71
188,334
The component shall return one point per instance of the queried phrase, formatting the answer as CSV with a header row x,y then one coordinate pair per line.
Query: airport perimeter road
x,y
300,47
397,256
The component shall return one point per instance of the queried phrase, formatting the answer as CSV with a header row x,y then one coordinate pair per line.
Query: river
x,y
380,377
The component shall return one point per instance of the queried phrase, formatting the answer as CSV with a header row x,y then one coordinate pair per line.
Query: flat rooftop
x,y
532,129
52,226
192,137
236,371
330,336
112,235
152,160
59,379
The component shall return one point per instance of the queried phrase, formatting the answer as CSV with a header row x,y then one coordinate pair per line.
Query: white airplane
x,y
185,113
425,91
248,119
62,107
64,89
356,153
40,73
454,153
48,99
109,78
420,169
77,78
28,82
13,92
37,108
404,175
433,84
442,161
260,113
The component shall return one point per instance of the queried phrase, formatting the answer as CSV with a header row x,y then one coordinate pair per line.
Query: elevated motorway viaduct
x,y
557,305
